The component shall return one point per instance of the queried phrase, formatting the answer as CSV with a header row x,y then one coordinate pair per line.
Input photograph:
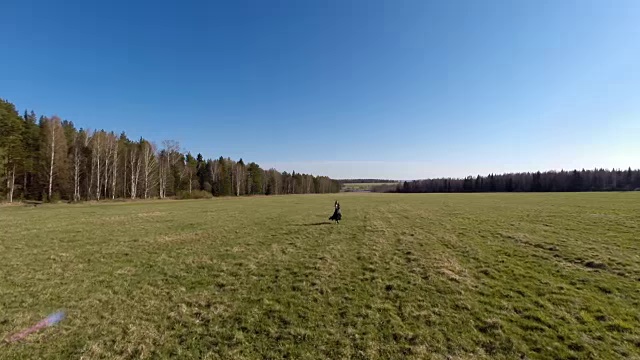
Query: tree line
x,y
367,181
548,181
47,158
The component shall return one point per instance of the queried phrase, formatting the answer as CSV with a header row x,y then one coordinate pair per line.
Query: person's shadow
x,y
317,224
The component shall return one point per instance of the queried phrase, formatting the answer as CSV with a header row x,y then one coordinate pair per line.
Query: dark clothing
x,y
337,215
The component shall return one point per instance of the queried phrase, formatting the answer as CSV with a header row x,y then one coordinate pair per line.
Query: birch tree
x,y
114,167
88,154
149,165
97,146
190,168
134,164
239,175
163,170
79,142
168,157
54,148
125,150
107,156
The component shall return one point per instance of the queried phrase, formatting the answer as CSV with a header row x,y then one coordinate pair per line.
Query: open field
x,y
446,276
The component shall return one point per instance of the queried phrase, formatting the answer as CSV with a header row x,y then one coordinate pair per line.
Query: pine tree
x,y
254,179
11,146
509,185
31,159
201,171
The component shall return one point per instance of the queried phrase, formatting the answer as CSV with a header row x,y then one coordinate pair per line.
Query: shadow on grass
x,y
318,223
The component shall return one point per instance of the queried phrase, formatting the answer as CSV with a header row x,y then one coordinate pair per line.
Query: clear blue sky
x,y
390,89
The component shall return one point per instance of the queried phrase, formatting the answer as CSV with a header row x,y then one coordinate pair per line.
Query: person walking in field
x,y
337,214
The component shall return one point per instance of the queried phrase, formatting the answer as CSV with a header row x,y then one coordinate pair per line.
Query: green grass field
x,y
451,276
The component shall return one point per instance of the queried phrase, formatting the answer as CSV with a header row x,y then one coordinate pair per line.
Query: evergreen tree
x,y
254,179
201,171
509,185
11,147
31,159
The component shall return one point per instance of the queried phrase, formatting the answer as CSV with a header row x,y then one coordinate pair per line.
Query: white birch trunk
x,y
134,174
105,171
97,150
146,176
90,185
13,183
136,181
160,178
87,142
76,172
53,146
149,167
114,166
124,175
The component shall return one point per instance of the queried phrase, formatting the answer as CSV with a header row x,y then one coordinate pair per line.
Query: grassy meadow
x,y
433,276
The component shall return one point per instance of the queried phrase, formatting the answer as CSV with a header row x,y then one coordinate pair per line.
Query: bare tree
x,y
108,151
238,174
149,164
161,174
54,142
190,166
124,172
76,169
97,145
168,157
277,180
134,164
12,183
114,167
87,145
213,171
78,143
265,181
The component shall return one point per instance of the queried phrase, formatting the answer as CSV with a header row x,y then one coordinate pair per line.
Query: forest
x,y
49,159
367,181
548,181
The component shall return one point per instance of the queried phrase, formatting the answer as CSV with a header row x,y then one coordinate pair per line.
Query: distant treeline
x,y
46,158
366,181
549,181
